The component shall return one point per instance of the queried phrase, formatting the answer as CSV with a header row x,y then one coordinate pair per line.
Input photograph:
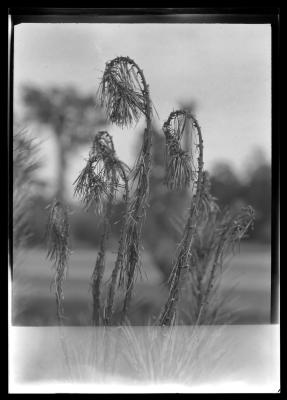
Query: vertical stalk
x,y
99,181
125,95
62,162
98,273
205,296
138,206
184,249
58,251
120,257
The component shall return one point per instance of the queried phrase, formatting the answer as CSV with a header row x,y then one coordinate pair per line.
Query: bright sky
x,y
224,68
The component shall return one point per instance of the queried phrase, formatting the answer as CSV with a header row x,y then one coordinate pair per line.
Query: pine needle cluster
x,y
102,166
101,177
122,92
179,172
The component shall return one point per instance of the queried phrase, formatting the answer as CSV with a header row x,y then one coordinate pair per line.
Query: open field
x,y
33,302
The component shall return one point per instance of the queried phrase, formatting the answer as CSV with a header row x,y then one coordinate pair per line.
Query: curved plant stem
x,y
184,250
125,94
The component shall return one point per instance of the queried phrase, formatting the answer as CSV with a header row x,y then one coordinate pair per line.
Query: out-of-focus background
x,y
221,72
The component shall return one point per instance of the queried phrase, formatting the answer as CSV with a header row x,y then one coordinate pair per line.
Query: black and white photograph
x,y
142,255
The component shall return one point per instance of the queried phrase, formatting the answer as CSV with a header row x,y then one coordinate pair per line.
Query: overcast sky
x,y
224,68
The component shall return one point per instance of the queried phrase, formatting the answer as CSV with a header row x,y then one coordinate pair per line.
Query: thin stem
x,y
100,180
58,250
184,249
99,269
119,259
203,303
125,95
138,206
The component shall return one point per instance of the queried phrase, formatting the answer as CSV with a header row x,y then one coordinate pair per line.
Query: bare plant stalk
x,y
203,247
125,95
179,175
137,211
97,184
97,276
120,257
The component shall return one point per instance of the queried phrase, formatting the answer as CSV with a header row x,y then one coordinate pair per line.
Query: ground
x,y
34,302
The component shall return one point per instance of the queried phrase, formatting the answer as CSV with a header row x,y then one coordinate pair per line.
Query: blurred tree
x,y
226,186
254,190
73,118
257,192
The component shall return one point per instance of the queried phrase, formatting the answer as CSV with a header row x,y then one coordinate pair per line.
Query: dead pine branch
x,y
125,95
182,172
97,185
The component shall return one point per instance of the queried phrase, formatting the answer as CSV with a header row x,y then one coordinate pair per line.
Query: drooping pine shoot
x,y
125,95
227,231
58,250
179,175
97,184
91,187
179,163
101,174
123,92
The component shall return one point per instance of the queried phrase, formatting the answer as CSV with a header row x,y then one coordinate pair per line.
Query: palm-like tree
x,y
73,118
